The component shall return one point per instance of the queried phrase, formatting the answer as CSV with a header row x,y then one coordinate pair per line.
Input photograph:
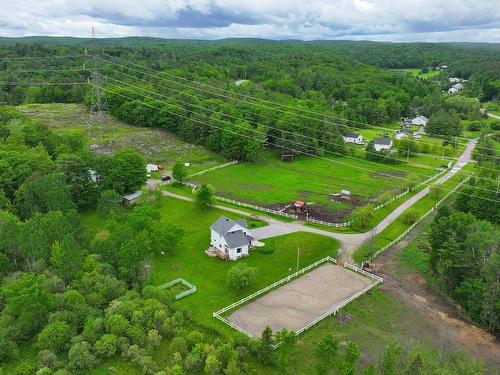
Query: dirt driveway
x,y
452,330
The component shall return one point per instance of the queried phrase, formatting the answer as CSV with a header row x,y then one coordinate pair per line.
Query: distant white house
x,y
382,143
420,120
403,133
456,88
353,138
152,168
230,239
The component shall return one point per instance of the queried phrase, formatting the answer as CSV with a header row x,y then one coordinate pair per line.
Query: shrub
x,y
54,336
241,275
8,348
363,215
474,126
194,338
179,345
80,356
47,359
179,172
204,197
266,250
411,216
24,368
435,192
106,346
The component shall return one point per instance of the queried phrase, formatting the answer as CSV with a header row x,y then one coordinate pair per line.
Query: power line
x,y
41,70
280,130
262,100
276,145
272,118
40,57
244,101
42,83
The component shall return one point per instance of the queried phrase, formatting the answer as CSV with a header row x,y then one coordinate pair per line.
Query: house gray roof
x,y
223,224
421,117
351,135
382,141
130,197
236,239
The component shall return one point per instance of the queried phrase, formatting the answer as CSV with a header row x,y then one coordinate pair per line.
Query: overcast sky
x,y
388,20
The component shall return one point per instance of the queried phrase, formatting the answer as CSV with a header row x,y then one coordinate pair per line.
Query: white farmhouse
x,y
230,239
382,143
353,138
420,120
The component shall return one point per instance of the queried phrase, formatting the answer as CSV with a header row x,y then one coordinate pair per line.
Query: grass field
x,y
418,72
310,179
156,145
209,274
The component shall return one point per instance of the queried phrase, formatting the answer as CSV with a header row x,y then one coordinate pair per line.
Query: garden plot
x,y
302,302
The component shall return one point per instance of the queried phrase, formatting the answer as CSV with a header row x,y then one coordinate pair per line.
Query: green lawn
x,y
272,181
156,145
209,274
416,72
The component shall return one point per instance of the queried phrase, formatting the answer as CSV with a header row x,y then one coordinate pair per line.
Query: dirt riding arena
x,y
301,301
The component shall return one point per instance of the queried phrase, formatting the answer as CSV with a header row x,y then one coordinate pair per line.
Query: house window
x,y
238,250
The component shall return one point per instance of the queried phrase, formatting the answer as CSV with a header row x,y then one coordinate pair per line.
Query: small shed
x,y
300,205
130,198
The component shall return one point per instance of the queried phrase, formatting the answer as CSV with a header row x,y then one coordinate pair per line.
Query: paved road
x,y
350,242
493,116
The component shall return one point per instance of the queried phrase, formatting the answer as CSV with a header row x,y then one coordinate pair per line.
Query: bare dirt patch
x,y
416,278
299,302
445,323
338,213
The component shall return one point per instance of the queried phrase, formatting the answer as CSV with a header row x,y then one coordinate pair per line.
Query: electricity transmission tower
x,y
98,103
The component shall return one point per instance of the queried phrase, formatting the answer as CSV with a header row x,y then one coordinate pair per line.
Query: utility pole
x,y
98,103
298,256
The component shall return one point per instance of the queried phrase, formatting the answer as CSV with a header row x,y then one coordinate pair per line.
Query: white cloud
x,y
396,20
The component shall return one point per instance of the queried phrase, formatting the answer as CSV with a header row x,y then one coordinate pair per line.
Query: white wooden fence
x,y
247,205
327,223
333,310
410,228
337,307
